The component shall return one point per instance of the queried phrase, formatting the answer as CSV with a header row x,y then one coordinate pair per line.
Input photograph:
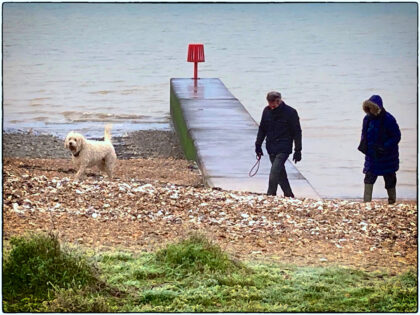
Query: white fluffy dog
x,y
87,153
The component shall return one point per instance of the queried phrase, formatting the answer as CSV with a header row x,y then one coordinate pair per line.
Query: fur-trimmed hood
x,y
373,105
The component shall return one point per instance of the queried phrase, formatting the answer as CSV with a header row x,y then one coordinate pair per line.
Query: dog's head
x,y
74,142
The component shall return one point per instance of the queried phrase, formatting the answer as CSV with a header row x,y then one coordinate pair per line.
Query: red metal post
x,y
196,55
195,70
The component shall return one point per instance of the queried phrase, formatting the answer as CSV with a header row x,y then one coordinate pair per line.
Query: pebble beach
x,y
138,144
157,196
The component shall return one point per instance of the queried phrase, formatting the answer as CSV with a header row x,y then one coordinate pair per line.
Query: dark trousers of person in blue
x,y
390,179
278,175
390,183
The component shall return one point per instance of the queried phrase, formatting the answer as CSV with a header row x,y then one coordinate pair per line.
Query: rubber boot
x,y
392,195
367,196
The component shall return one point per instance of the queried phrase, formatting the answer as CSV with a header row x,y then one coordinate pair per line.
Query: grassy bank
x,y
195,275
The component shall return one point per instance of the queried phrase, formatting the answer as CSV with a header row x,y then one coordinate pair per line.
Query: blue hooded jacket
x,y
381,134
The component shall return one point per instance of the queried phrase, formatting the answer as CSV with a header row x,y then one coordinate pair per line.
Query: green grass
x,y
37,269
195,275
195,254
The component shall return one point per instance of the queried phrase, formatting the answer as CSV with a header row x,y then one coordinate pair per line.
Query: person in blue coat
x,y
280,127
379,143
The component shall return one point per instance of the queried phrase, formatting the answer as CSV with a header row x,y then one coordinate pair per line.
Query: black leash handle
x,y
257,164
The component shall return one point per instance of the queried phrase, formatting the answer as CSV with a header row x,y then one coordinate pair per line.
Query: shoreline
x,y
139,144
136,144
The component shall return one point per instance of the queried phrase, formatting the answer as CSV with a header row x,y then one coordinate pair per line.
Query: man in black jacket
x,y
280,124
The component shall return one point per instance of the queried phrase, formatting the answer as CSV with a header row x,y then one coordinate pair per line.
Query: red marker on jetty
x,y
196,55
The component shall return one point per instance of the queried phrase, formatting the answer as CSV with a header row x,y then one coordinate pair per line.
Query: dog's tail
x,y
107,134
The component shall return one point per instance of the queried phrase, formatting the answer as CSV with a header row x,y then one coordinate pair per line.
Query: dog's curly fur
x,y
88,153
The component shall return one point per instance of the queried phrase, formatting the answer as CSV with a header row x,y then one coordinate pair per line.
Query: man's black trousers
x,y
278,175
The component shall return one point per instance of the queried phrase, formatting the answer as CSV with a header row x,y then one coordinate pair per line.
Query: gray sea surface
x,y
78,65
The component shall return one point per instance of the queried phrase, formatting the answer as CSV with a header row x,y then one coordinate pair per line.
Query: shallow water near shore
x,y
78,66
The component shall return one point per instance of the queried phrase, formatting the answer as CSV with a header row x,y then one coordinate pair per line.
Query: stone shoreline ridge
x,y
144,208
157,196
137,144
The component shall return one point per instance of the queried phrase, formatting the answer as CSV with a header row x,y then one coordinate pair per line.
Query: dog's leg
x,y
108,169
109,164
109,172
104,167
80,173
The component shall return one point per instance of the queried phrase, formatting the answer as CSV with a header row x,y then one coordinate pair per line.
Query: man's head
x,y
273,99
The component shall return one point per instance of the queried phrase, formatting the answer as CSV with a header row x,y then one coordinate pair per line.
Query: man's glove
x,y
297,156
258,150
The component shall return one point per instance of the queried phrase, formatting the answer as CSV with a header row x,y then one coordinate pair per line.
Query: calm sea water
x,y
75,66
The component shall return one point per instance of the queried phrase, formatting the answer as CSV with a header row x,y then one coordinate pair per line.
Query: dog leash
x,y
257,164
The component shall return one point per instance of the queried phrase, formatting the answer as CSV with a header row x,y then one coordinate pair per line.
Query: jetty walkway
x,y
217,131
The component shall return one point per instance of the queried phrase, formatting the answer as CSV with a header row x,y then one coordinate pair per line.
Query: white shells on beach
x,y
238,214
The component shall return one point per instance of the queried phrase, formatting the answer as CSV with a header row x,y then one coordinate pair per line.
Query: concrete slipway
x,y
216,130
